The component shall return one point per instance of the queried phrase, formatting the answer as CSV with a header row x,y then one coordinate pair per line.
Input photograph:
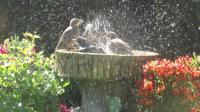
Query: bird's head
x,y
112,35
75,22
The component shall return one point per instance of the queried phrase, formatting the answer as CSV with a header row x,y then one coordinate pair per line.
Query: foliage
x,y
171,86
28,81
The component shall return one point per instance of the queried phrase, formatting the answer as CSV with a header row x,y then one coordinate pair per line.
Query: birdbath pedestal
x,y
102,78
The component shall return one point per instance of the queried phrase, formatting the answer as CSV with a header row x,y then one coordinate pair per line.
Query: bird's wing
x,y
67,34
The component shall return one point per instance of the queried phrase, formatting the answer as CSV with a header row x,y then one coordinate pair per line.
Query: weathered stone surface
x,y
100,66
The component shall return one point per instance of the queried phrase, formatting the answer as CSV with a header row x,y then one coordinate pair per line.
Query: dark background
x,y
169,27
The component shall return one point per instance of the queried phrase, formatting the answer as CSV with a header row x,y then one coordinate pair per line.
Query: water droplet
x,y
19,104
173,24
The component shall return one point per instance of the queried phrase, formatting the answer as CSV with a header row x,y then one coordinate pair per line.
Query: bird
x,y
115,44
92,35
106,37
82,41
112,35
85,47
118,46
66,41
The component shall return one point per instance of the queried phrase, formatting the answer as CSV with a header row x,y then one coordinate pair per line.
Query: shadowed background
x,y
169,27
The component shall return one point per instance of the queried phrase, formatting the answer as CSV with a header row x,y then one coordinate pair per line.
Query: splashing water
x,y
99,33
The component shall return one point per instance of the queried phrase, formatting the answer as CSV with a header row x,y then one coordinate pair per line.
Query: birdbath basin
x,y
102,78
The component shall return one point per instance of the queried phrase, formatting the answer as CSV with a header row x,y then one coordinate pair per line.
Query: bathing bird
x,y
115,44
82,41
106,37
112,35
92,35
66,41
85,47
118,46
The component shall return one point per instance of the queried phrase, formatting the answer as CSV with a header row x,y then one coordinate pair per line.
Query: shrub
x,y
171,86
28,81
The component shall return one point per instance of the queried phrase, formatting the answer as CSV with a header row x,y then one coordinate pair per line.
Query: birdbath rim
x,y
137,53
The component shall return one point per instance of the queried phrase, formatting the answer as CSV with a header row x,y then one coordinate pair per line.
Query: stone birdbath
x,y
101,77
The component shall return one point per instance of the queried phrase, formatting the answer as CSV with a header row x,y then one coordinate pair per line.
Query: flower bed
x,y
28,81
171,86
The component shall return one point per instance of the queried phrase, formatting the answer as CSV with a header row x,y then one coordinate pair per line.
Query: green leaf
x,y
66,84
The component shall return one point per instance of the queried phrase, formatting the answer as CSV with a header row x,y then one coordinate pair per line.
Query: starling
x,y
82,41
118,46
70,33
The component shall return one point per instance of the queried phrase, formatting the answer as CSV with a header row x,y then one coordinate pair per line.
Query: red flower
x,y
190,98
181,76
148,85
193,110
194,73
196,85
185,91
145,87
175,91
160,89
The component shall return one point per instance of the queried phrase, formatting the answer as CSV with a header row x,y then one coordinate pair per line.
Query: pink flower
x,y
33,50
63,108
3,50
